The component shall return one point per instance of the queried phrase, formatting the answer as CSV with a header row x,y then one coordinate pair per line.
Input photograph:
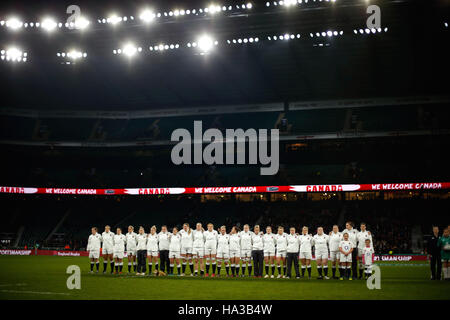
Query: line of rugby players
x,y
205,251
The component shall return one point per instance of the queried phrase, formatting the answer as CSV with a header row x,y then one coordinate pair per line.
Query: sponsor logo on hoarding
x,y
68,254
15,252
393,258
110,191
272,189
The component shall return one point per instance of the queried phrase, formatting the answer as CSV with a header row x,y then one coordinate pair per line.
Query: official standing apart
x,y
257,251
163,243
293,248
141,248
434,253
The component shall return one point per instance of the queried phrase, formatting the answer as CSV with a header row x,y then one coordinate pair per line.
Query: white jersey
x,y
163,241
352,236
223,242
257,241
362,236
141,241
199,239
94,242
131,240
281,241
293,243
152,242
269,242
306,242
108,239
175,242
334,240
321,242
119,242
367,253
210,236
246,240
235,242
346,245
187,238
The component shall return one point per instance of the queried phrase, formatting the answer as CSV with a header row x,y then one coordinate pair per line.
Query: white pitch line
x,y
13,285
35,292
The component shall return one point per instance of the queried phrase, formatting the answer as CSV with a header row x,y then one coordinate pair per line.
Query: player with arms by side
x,y
235,251
210,249
175,250
321,253
246,250
131,248
198,250
108,248
223,250
361,237
152,250
187,241
269,251
368,255
306,243
353,238
281,251
93,247
335,238
346,249
119,249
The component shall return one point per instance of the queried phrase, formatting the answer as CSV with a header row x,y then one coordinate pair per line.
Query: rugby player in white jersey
x,y
281,251
93,247
367,258
131,248
119,250
198,249
246,250
235,251
361,237
152,250
321,253
187,241
306,243
210,249
175,251
163,246
345,248
334,241
353,238
293,247
108,248
269,251
141,248
257,251
223,250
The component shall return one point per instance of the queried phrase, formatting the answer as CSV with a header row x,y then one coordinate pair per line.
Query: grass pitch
x,y
44,277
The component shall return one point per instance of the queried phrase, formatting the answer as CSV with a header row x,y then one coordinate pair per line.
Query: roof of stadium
x,y
407,56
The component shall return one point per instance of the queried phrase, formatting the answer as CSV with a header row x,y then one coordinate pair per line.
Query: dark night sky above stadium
x,y
409,59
